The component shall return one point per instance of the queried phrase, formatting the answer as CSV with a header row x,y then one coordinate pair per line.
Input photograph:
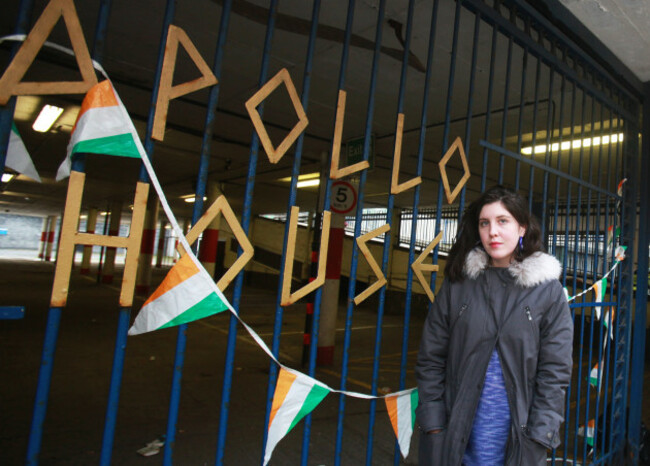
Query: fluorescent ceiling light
x,y
306,176
575,144
308,183
7,177
305,181
46,118
190,198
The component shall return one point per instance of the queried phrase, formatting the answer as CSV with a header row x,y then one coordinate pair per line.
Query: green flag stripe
x,y
315,396
210,305
121,145
414,406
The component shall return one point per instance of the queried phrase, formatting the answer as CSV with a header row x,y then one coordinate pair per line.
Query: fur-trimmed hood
x,y
533,270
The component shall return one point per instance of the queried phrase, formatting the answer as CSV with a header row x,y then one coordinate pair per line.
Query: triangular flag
x,y
619,189
18,158
607,320
590,432
596,375
102,127
610,235
296,395
401,410
619,253
600,288
186,294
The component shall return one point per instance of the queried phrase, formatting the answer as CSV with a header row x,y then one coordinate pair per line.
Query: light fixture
x,y
7,177
575,144
190,198
46,118
306,180
308,183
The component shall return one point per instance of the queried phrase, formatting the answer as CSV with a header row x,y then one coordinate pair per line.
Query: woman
x,y
495,355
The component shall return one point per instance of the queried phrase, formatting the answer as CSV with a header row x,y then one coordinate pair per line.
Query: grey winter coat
x,y
523,312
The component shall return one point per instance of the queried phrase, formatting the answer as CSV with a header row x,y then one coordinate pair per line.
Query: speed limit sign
x,y
344,197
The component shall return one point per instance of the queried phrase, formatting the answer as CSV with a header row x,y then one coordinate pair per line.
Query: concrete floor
x,y
74,424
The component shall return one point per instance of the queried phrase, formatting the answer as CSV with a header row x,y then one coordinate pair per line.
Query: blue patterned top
x,y
487,442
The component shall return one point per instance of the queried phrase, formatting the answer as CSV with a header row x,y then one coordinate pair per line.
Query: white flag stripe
x,y
18,158
99,122
180,298
404,423
293,402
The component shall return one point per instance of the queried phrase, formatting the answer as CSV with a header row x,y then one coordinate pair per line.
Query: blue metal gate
x,y
534,111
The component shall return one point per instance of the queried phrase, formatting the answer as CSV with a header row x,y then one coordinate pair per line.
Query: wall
x,y
23,232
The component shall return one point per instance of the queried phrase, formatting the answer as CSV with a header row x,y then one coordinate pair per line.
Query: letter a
x,y
10,83
168,92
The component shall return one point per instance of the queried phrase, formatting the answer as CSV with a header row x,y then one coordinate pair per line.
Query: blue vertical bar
x,y
246,220
488,112
638,343
547,160
626,305
387,245
7,112
522,101
445,137
124,318
43,385
470,108
277,328
575,272
504,119
565,256
531,180
586,266
558,165
207,139
357,229
416,200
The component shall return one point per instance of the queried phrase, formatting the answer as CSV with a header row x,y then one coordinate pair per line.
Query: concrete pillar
x,y
113,230
51,229
43,244
210,240
330,298
161,244
91,222
143,279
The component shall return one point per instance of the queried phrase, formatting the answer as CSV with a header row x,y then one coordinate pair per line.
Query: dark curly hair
x,y
468,237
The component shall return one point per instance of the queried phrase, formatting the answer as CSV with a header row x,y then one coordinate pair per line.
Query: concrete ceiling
x,y
130,59
622,25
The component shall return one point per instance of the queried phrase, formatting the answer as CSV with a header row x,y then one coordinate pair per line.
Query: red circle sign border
x,y
354,191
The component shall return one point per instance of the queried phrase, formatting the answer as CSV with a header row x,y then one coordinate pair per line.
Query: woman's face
x,y
499,233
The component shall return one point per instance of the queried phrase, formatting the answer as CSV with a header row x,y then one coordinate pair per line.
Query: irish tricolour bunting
x,y
296,395
600,288
18,158
186,294
589,432
102,127
401,410
596,375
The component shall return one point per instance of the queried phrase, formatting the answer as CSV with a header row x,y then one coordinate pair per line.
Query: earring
x,y
521,242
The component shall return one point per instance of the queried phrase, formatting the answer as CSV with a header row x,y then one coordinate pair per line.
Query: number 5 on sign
x,y
344,197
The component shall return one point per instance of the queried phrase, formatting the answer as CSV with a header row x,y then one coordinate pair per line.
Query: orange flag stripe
x,y
100,95
391,407
285,380
184,269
